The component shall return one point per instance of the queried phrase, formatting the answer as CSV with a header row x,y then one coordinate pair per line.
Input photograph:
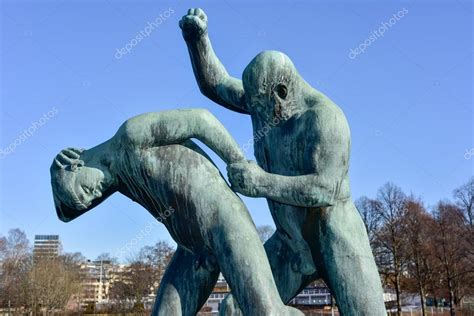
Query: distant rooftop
x,y
46,237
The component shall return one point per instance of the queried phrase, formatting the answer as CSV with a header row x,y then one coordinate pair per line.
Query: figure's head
x,y
78,188
272,85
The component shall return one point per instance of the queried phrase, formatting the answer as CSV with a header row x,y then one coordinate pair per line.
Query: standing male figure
x,y
302,170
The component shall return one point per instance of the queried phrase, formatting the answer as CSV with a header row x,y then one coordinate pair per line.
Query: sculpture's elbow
x,y
130,131
208,90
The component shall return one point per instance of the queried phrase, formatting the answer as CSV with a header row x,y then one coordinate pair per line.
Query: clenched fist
x,y
193,24
246,178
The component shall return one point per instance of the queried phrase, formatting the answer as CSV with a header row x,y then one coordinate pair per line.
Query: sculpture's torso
x,y
174,183
302,145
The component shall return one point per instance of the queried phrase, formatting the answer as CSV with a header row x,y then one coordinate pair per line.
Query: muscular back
x,y
173,182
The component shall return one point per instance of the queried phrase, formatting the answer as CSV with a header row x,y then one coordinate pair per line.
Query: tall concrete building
x,y
98,278
46,247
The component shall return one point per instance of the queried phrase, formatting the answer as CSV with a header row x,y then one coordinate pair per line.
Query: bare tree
x,y
107,257
464,196
15,262
391,259
451,251
54,281
265,232
368,210
142,276
158,256
418,225
121,294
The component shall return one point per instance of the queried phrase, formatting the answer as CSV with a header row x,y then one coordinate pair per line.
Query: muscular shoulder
x,y
328,118
329,143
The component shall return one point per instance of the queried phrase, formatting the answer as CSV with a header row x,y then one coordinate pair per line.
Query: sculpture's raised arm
x,y
212,77
177,126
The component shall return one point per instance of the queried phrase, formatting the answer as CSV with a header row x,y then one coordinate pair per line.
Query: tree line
x,y
32,284
419,250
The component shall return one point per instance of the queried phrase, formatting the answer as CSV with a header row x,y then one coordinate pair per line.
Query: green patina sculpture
x,y
302,170
152,161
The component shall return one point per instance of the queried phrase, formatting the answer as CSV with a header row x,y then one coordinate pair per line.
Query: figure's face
x,y
87,185
271,85
79,190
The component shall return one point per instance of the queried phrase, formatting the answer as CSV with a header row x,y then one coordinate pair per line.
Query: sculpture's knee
x,y
168,302
229,307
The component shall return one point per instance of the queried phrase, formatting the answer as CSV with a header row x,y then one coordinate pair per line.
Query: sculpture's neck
x,y
102,157
99,156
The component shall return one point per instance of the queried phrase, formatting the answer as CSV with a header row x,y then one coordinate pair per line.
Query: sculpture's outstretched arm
x,y
177,126
310,190
305,191
211,76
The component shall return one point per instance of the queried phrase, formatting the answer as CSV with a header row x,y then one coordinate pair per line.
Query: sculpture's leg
x,y
348,263
185,286
288,282
244,264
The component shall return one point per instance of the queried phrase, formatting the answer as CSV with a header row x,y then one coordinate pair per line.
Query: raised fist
x,y
193,24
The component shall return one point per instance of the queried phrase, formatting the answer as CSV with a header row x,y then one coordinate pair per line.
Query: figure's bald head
x,y
269,83
267,68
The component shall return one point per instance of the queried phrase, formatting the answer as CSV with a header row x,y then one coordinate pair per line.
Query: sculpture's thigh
x,y
347,261
288,282
243,262
185,286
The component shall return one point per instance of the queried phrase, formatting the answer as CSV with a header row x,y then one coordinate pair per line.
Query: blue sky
x,y
407,97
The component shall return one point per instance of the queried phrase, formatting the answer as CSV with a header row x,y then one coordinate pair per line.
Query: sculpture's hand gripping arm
x,y
310,190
